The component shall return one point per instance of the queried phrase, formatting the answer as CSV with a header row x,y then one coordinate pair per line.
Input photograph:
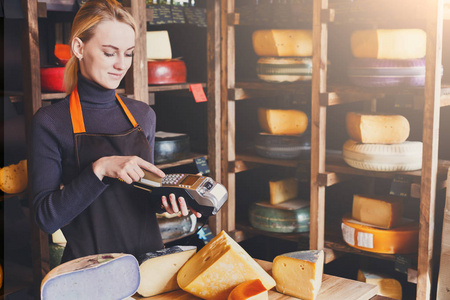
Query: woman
x,y
83,144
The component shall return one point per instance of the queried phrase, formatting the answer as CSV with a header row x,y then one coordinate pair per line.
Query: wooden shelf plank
x,y
246,90
350,94
187,160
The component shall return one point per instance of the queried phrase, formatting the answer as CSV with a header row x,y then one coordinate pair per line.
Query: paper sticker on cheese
x,y
159,269
299,274
219,266
102,276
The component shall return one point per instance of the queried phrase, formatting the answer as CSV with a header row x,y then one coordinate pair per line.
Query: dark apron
x,y
121,219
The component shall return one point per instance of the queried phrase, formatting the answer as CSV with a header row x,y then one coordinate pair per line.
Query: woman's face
x,y
107,56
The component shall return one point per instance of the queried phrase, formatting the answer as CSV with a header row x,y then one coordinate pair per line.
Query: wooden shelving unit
x,y
329,169
430,99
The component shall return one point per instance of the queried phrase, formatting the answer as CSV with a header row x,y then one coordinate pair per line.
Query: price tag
x,y
402,264
401,185
198,92
202,165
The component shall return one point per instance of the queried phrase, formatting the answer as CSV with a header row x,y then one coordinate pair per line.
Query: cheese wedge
x,y
159,269
102,276
389,43
382,210
283,190
299,274
282,42
158,45
218,266
282,121
14,178
377,128
388,287
249,290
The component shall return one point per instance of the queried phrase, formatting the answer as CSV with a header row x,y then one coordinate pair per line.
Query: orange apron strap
x,y
127,112
77,115
75,112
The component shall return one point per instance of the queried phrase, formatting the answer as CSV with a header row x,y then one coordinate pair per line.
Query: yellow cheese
x,y
399,240
158,45
377,128
220,265
249,290
282,42
283,190
282,121
389,43
299,274
388,287
159,269
383,210
14,178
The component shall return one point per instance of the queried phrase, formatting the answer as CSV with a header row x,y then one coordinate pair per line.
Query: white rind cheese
x,y
406,156
159,269
219,266
102,276
299,274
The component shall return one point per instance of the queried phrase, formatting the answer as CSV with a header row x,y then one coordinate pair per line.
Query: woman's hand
x,y
126,168
173,206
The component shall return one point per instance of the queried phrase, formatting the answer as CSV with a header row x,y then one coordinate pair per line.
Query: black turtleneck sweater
x,y
60,192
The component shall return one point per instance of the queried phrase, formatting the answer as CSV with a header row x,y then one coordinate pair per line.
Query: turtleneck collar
x,y
94,95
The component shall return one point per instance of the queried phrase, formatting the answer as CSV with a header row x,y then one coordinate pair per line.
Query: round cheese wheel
x,y
279,218
283,146
406,156
52,79
171,147
399,240
407,43
289,69
169,71
282,42
377,128
14,178
371,72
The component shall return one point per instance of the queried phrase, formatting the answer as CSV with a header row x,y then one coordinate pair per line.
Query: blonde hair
x,y
87,18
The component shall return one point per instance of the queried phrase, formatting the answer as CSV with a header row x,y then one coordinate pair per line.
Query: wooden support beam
x,y
430,147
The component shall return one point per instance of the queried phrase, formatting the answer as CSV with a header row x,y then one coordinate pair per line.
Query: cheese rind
x,y
399,240
284,69
299,274
282,121
389,43
249,290
218,266
159,269
380,210
282,42
102,276
283,190
377,128
388,287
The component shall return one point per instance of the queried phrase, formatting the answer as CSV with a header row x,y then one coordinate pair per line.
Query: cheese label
x,y
348,233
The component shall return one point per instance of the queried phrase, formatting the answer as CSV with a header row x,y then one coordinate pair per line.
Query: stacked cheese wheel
x,y
378,143
376,225
285,55
284,212
388,57
283,134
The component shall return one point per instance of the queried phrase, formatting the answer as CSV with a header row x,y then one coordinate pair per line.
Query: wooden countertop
x,y
333,287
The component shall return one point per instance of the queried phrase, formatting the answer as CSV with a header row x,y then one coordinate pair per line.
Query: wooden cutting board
x,y
333,288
